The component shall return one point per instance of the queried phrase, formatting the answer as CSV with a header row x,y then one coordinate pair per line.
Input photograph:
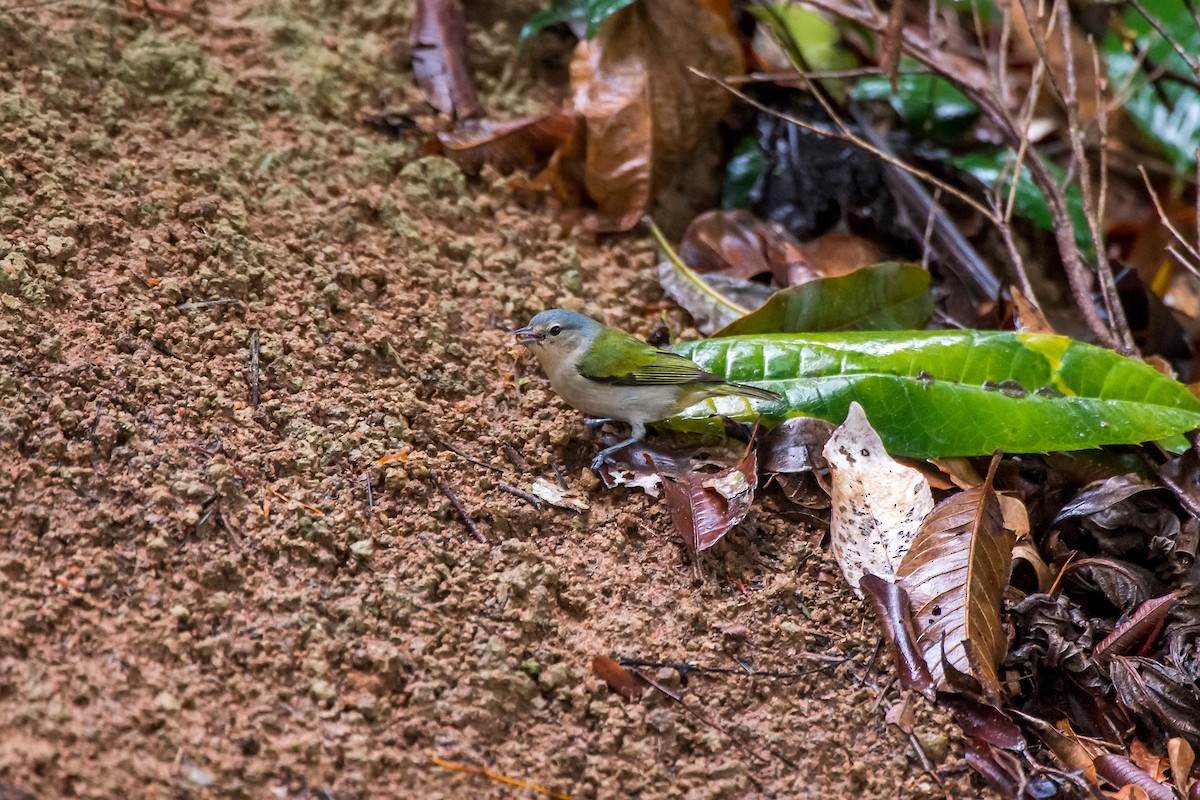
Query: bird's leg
x,y
605,455
595,424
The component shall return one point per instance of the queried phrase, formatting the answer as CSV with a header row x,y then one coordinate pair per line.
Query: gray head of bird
x,y
558,333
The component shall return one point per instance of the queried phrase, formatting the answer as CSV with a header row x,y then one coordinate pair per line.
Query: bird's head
x,y
557,334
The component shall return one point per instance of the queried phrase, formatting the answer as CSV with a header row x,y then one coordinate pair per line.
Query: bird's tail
x,y
745,390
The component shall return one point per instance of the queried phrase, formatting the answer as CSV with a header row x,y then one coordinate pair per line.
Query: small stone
x,y
935,744
179,612
363,548
554,676
322,689
167,701
200,777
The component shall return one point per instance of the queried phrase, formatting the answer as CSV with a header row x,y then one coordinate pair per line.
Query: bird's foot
x,y
596,424
599,461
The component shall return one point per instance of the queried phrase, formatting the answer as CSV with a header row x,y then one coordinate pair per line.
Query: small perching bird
x,y
612,376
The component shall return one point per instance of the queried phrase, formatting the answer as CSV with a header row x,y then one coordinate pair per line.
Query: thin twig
x,y
467,458
445,489
370,491
928,766
255,370
849,138
496,776
532,499
685,668
1079,277
1180,51
1166,221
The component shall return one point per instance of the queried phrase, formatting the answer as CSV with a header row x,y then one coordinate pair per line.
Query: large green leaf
x,y
581,15
952,393
883,297
1168,111
994,169
926,103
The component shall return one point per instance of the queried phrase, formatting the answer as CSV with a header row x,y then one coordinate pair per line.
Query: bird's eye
x,y
555,330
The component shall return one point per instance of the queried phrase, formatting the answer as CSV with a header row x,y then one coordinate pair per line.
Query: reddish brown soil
x,y
203,597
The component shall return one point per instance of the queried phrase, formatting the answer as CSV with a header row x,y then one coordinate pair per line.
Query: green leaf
x,y
579,14
926,103
808,33
1174,123
883,297
743,174
931,394
995,168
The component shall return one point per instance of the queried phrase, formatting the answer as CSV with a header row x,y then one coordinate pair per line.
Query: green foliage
x,y
1165,110
583,15
745,169
811,37
994,169
925,102
884,297
952,393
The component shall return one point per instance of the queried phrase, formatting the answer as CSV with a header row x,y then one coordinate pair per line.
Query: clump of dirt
x,y
222,300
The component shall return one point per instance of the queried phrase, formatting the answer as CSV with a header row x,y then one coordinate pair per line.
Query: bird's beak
x,y
528,336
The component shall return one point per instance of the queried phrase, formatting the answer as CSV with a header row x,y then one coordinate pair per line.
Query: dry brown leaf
x,y
644,110
955,573
439,47
878,504
1181,756
1027,317
1066,745
736,243
619,679
508,145
706,505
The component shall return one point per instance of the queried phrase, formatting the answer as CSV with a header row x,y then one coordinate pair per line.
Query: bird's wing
x,y
619,359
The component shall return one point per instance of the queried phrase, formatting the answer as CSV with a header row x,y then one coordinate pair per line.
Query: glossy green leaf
x,y
883,297
1165,110
925,102
581,15
952,393
995,168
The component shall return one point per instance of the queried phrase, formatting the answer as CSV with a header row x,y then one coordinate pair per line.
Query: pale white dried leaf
x,y
878,504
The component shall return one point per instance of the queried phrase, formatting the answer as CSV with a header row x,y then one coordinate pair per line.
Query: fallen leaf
x,y
1027,317
619,679
1067,747
894,615
1154,766
1027,552
878,505
1120,771
439,46
736,243
644,110
1138,631
955,573
555,495
507,145
901,715
705,505
1052,632
1124,585
983,722
1157,694
1181,757
795,445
